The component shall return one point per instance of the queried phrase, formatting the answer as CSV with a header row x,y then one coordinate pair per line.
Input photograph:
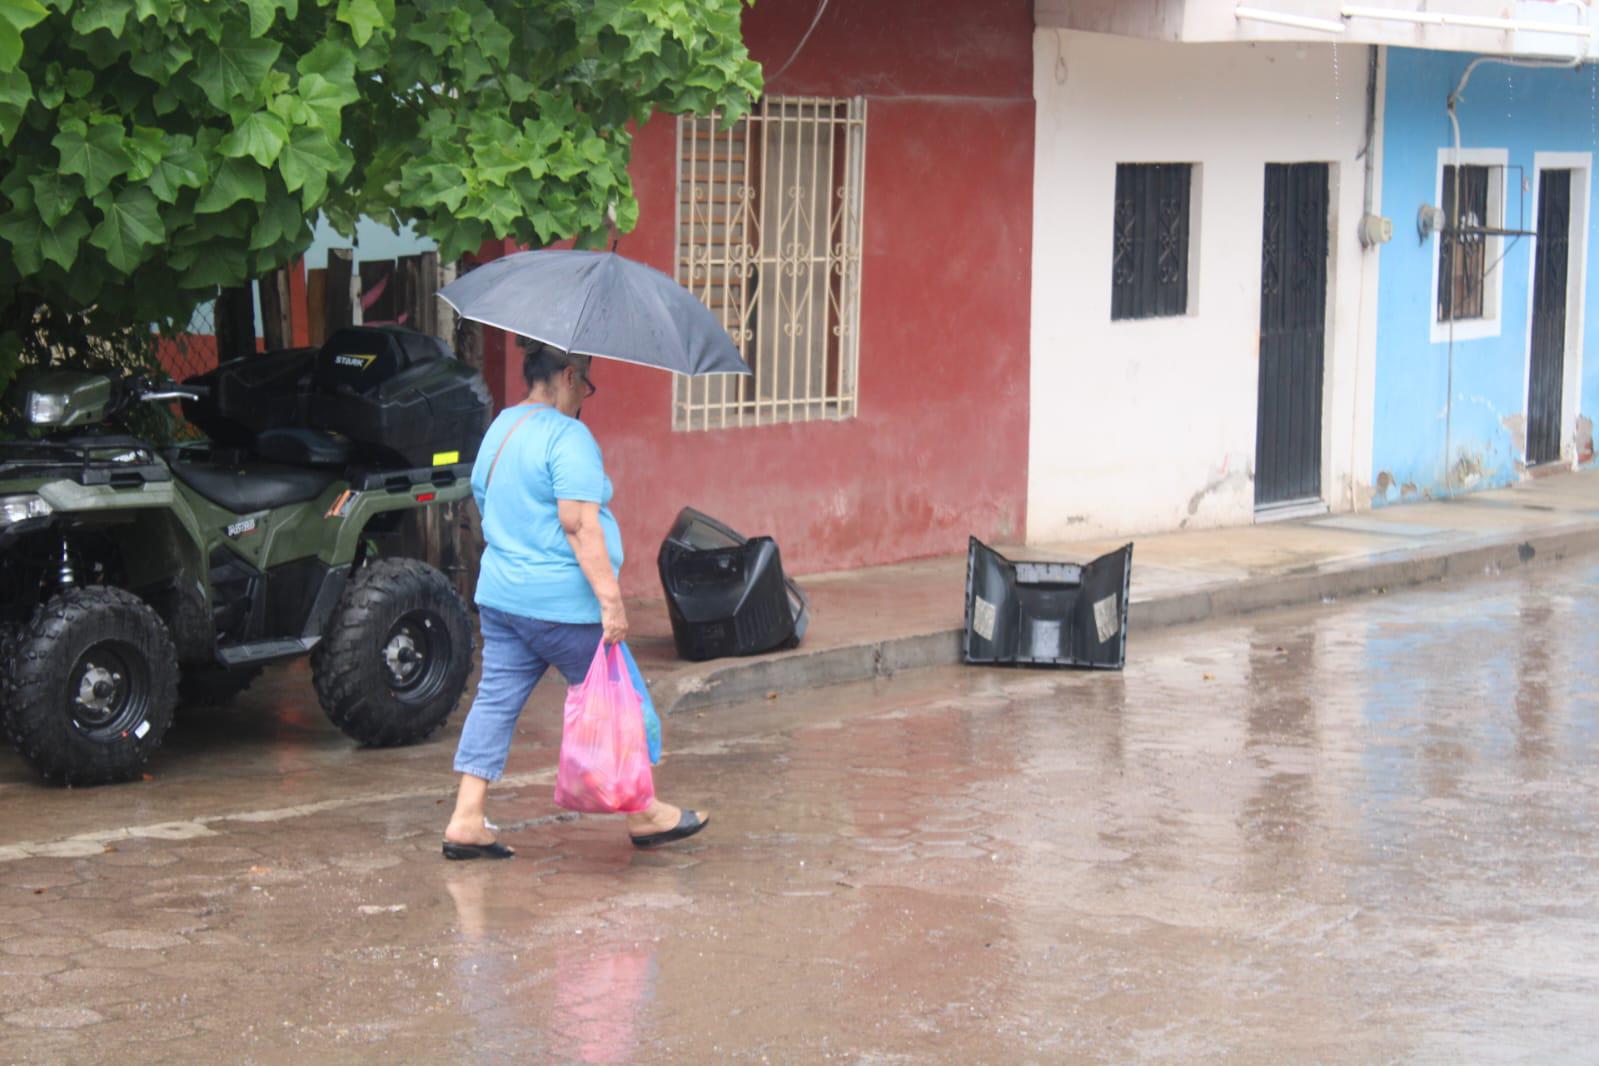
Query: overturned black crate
x,y
1046,613
725,592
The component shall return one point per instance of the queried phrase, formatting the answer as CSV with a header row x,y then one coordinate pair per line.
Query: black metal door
x,y
1547,377
1293,322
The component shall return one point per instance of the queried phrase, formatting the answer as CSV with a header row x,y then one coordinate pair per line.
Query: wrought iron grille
x,y
1463,258
1149,265
769,238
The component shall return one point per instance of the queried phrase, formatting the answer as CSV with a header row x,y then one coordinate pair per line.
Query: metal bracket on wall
x,y
1429,220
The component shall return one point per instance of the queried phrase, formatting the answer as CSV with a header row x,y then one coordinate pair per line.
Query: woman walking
x,y
548,591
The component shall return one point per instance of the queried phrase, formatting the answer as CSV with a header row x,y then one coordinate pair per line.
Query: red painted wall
x,y
939,448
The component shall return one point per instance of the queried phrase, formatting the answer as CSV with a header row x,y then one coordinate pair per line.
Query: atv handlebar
x,y
176,392
144,390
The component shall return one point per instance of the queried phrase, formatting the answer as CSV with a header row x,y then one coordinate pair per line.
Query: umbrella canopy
x,y
599,304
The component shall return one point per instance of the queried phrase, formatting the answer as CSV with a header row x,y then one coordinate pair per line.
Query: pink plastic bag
x,y
605,762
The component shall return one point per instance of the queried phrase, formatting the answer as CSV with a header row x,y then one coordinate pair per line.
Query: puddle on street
x,y
1363,832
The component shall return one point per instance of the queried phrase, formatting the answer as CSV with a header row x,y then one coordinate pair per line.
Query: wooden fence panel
x,y
338,309
235,322
316,306
277,327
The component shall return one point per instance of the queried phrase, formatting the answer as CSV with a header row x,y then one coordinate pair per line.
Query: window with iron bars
x,y
1149,264
1463,259
769,238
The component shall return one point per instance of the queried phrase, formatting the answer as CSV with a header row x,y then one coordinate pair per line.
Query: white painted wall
x,y
1323,21
1149,425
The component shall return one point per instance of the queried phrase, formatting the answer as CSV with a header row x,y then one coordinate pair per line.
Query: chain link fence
x,y
183,355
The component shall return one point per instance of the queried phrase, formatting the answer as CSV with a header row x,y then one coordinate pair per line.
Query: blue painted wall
x,y
1523,112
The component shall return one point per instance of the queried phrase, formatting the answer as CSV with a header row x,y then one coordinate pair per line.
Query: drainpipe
x,y
1373,232
1373,58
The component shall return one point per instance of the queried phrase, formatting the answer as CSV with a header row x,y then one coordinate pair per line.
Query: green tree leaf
x,y
260,136
22,228
35,243
262,14
15,94
158,11
291,109
281,220
224,267
236,66
331,60
365,17
181,167
309,162
59,242
131,226
234,180
16,16
161,63
326,101
109,15
93,151
146,147
55,196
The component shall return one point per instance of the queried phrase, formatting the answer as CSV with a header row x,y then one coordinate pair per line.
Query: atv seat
x,y
253,486
299,446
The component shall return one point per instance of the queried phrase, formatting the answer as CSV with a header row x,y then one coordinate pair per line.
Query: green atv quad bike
x,y
131,576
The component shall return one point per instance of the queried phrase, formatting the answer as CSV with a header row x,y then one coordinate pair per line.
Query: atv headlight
x,y
46,408
14,509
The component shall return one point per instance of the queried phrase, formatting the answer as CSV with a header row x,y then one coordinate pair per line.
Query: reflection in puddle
x,y
600,996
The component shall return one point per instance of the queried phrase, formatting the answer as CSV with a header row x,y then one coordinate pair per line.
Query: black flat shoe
x,y
495,850
688,823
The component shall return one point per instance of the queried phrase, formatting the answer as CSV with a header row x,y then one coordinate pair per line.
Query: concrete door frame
x,y
1581,166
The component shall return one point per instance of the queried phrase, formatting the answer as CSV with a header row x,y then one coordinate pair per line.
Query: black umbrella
x,y
599,304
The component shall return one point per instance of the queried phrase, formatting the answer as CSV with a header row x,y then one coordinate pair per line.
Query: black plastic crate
x,y
253,393
1046,613
430,414
726,593
399,398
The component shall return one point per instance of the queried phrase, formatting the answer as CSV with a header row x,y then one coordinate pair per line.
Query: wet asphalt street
x,y
1359,833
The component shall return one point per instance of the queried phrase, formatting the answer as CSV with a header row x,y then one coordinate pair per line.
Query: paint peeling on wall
x,y
1583,439
1516,426
1357,493
1467,473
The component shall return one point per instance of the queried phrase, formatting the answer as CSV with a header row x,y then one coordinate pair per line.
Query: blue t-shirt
x,y
528,567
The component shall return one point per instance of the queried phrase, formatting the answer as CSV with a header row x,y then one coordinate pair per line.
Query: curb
x,y
748,679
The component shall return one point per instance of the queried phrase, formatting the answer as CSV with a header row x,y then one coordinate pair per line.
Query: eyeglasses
x,y
589,388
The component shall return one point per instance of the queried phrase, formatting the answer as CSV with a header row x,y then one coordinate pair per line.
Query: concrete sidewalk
x,y
880,620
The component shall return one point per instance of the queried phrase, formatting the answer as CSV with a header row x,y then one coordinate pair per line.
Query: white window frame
x,y
1497,160
1581,166
780,264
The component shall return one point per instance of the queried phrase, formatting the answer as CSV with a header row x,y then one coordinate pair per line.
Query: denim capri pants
x,y
516,653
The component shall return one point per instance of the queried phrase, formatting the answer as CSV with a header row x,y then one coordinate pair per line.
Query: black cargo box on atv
x,y
251,395
399,397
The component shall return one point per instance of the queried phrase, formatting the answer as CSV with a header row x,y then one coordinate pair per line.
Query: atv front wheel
x,y
396,655
90,686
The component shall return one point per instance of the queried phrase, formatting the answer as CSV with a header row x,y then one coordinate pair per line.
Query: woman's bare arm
x,y
581,523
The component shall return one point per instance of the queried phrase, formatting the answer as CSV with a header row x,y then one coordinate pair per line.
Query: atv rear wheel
x,y
90,686
396,655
